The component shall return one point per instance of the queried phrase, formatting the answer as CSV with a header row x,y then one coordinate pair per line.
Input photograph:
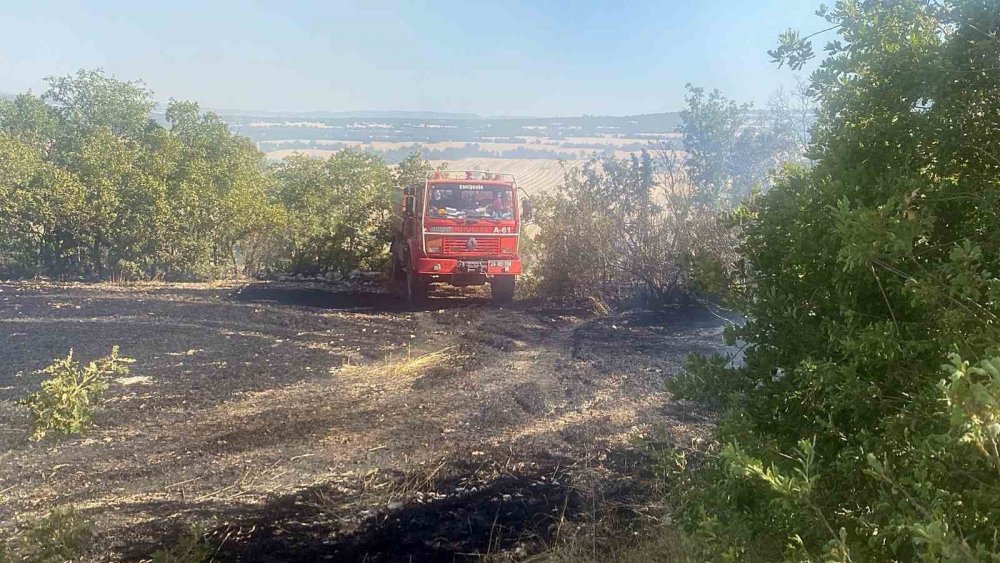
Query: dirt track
x,y
266,413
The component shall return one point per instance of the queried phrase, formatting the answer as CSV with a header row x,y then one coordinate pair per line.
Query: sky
x,y
490,58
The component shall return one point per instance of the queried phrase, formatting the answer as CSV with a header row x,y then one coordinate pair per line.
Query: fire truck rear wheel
x,y
502,288
397,270
414,288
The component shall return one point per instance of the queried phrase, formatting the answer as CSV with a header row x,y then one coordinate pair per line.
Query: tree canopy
x,y
92,183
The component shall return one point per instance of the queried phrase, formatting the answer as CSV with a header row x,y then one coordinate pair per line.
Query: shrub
x,y
655,227
62,535
842,438
190,548
67,400
339,211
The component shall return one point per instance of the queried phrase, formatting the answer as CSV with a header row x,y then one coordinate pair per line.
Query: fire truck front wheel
x,y
502,288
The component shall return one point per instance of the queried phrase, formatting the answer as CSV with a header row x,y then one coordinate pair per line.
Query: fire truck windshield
x,y
470,201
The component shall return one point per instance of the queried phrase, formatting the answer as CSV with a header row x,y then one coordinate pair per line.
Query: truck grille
x,y
460,245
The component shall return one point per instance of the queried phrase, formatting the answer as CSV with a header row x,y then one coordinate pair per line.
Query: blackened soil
x,y
267,414
473,519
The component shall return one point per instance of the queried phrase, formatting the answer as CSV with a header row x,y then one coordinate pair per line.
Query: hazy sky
x,y
511,58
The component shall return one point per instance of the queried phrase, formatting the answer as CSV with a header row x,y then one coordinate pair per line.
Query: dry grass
x,y
601,307
616,141
534,175
407,368
659,544
536,143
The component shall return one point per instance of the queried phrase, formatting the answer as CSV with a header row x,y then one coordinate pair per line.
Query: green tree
x,y
20,215
91,184
90,99
29,119
412,170
218,192
864,274
338,211
711,127
731,149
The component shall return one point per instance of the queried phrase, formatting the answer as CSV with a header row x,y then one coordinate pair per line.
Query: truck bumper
x,y
463,266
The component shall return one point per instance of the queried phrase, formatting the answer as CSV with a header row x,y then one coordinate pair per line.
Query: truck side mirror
x,y
527,210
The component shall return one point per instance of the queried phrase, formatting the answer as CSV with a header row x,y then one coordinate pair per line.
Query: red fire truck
x,y
461,228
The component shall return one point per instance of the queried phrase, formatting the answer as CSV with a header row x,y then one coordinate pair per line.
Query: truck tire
x,y
414,289
502,288
398,271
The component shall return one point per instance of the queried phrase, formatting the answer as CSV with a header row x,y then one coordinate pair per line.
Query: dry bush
x,y
629,230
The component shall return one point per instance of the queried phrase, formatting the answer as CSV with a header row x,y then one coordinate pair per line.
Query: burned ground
x,y
273,415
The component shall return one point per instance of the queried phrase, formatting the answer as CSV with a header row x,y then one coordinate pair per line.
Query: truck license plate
x,y
472,267
500,263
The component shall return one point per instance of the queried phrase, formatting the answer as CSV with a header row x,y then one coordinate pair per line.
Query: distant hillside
x,y
346,114
394,128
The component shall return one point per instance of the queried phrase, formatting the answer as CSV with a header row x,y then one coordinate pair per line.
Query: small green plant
x,y
68,399
190,548
62,535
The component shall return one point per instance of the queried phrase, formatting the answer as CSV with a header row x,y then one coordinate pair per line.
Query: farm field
x,y
532,174
317,421
535,176
382,146
563,152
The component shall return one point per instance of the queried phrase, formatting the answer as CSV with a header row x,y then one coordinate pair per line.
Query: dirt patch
x,y
279,415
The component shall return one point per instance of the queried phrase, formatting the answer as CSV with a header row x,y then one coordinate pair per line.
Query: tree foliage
x,y
92,184
339,210
864,274
731,149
